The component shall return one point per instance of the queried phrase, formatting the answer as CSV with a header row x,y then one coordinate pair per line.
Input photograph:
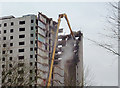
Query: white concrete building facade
x,y
25,45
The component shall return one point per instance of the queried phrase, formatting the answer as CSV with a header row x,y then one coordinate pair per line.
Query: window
x,y
3,52
30,86
12,23
3,66
3,82
31,49
4,31
11,51
35,56
3,59
0,25
10,73
20,57
30,78
49,34
21,29
21,43
31,56
31,35
20,71
21,22
0,32
20,64
36,42
4,45
10,65
45,47
5,24
35,48
31,42
35,71
11,37
21,36
31,63
11,30
11,44
10,58
3,72
32,21
36,27
31,28
9,80
20,79
21,50
4,38
30,71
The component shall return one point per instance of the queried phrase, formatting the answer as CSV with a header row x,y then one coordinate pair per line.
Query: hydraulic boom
x,y
55,42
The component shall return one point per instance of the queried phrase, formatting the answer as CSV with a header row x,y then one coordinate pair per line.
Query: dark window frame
x,y
11,51
31,71
12,23
20,64
32,28
20,79
21,43
5,24
31,35
11,30
21,29
22,36
9,80
31,63
10,58
31,42
10,65
31,49
4,45
4,38
21,50
11,37
3,59
31,56
21,57
11,44
5,31
21,22
3,66
32,21
31,78
3,52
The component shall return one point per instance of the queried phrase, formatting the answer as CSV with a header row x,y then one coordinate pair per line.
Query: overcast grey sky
x,y
89,17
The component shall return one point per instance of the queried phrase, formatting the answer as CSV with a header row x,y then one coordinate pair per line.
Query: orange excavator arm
x,y
55,42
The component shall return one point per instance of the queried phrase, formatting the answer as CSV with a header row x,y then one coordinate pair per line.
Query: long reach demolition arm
x,y
55,42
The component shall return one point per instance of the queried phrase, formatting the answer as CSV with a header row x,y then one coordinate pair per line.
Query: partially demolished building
x,y
26,47
68,70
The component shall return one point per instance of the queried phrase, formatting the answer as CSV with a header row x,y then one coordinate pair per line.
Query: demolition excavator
x,y
55,43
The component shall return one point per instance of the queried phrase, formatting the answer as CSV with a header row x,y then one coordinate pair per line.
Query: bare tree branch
x,y
104,46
